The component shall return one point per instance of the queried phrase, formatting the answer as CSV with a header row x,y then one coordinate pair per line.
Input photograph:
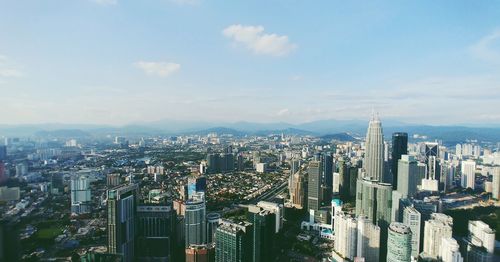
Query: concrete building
x,y
407,176
450,251
482,234
437,228
81,197
368,238
468,177
314,185
195,226
298,189
233,241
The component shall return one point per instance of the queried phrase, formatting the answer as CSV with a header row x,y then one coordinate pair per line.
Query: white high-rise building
x,y
483,234
277,209
468,174
374,154
437,228
450,251
81,197
412,218
398,243
368,240
345,239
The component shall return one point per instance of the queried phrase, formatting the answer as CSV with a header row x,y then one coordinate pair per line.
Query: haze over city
x,y
120,62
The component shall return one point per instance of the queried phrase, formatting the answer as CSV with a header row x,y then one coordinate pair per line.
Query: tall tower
x,y
122,203
399,243
374,154
399,148
314,184
195,220
412,218
437,228
233,241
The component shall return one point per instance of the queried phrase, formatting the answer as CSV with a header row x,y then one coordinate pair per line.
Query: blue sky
x,y
125,61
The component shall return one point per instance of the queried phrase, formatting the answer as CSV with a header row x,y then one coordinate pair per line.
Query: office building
x,y
399,148
327,171
233,242
298,190
314,185
294,166
212,224
277,209
155,229
495,190
450,251
374,154
263,233
122,203
407,176
374,200
81,198
399,243
195,224
468,174
438,227
413,219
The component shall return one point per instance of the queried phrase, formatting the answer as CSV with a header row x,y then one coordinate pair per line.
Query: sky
x,y
117,62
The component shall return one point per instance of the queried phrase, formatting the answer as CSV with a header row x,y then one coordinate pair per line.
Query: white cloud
x,y
488,47
282,112
254,38
105,2
163,69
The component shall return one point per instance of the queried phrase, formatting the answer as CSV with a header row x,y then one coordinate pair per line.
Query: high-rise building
x,y
412,218
294,166
200,253
437,228
213,163
344,179
368,245
399,148
374,154
345,238
155,229
122,203
314,185
263,234
212,224
495,192
407,176
81,197
327,166
399,243
468,174
450,251
298,189
113,180
233,242
195,226
277,210
482,235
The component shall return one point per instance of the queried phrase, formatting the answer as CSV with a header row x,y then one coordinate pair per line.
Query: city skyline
x,y
119,62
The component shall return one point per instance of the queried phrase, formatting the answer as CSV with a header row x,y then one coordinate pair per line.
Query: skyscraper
x,y
195,226
374,154
437,228
345,238
496,184
407,176
314,185
298,189
233,242
80,195
399,148
263,233
212,224
468,174
399,243
412,218
155,229
122,203
200,253
328,170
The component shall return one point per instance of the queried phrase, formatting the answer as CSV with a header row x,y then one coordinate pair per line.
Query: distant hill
x,y
63,133
339,137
